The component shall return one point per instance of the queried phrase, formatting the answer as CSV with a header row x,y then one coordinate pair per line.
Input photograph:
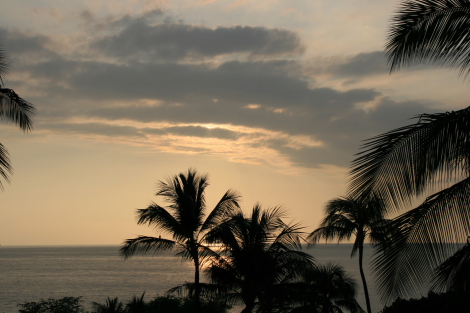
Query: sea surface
x,y
31,273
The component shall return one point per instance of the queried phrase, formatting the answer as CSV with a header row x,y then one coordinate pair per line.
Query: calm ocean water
x,y
96,272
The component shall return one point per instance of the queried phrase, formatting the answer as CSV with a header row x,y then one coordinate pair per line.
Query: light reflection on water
x,y
96,272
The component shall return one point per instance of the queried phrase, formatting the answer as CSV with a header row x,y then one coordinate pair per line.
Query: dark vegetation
x,y
433,303
257,263
64,305
159,304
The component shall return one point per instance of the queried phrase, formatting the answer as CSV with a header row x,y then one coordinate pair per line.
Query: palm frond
x,y
403,163
136,304
454,273
186,254
226,232
430,30
327,287
158,217
144,245
208,291
225,208
206,254
424,237
4,63
290,236
112,305
5,166
16,110
340,232
185,194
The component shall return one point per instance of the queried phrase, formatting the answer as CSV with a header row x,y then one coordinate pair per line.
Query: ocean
x,y
29,273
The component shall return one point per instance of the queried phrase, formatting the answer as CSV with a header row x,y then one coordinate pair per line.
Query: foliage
x,y
259,260
402,164
136,304
362,216
433,303
432,153
14,109
430,30
184,219
454,273
64,305
112,305
171,304
327,289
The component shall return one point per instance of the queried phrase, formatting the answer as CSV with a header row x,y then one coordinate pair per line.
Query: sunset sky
x,y
270,97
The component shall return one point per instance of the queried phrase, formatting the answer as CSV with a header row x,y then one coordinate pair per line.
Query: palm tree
x,y
348,216
14,109
327,289
184,219
136,304
259,260
433,153
405,163
111,306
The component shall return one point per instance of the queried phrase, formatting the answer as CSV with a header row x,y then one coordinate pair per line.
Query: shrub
x,y
433,303
64,305
171,304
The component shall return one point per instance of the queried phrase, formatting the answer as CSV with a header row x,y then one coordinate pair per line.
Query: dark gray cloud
x,y
20,43
92,128
25,48
194,131
363,64
270,84
172,41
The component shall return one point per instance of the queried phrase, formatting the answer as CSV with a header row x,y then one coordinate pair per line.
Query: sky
x,y
270,98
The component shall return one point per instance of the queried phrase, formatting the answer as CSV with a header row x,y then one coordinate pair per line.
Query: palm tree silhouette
x,y
184,219
434,152
348,216
327,289
14,109
112,305
136,304
259,259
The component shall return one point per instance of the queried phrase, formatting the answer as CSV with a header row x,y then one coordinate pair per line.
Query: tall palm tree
x,y
13,109
362,217
327,289
185,220
433,153
259,259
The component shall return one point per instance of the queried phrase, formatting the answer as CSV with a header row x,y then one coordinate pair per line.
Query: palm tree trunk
x,y
197,286
363,277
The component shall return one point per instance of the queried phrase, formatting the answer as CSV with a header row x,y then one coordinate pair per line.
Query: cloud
x,y
358,66
24,47
363,64
199,131
248,110
92,128
173,41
